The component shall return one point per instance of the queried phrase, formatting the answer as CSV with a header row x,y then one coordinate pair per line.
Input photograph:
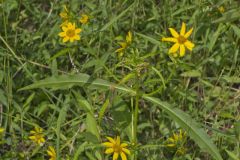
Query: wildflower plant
x,y
90,83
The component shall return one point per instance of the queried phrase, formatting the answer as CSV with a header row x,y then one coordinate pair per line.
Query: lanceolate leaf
x,y
187,123
184,120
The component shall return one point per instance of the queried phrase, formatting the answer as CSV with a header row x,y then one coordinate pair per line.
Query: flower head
x,y
84,19
221,9
115,147
70,32
181,41
37,135
65,13
51,153
177,141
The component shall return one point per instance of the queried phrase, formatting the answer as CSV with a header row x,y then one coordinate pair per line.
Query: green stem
x,y
135,115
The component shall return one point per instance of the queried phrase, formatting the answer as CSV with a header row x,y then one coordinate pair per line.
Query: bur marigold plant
x,y
124,44
84,19
180,41
37,135
115,147
51,153
70,33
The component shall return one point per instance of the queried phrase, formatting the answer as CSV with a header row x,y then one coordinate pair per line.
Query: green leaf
x,y
184,120
232,79
232,155
150,39
231,15
60,120
91,125
60,53
116,18
67,81
189,125
80,149
102,110
192,73
236,30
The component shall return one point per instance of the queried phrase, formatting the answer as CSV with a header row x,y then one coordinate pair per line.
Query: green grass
x,y
81,92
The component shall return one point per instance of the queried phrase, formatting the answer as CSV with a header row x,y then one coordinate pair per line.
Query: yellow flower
x,y
37,135
84,19
221,9
177,141
181,41
1,130
51,152
124,45
70,32
117,148
64,14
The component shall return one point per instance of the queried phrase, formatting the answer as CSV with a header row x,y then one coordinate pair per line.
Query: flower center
x,y
70,33
117,148
38,136
181,39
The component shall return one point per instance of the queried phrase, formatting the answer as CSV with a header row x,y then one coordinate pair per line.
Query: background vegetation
x,y
90,92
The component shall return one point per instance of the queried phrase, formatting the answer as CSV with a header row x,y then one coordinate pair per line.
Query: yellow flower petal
x,y
62,34
188,33
64,28
189,46
119,50
171,145
71,39
107,144
174,48
32,137
118,140
129,37
65,39
1,130
123,156
78,30
173,32
77,37
182,50
169,39
183,29
50,153
111,140
126,151
115,156
109,151
124,145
